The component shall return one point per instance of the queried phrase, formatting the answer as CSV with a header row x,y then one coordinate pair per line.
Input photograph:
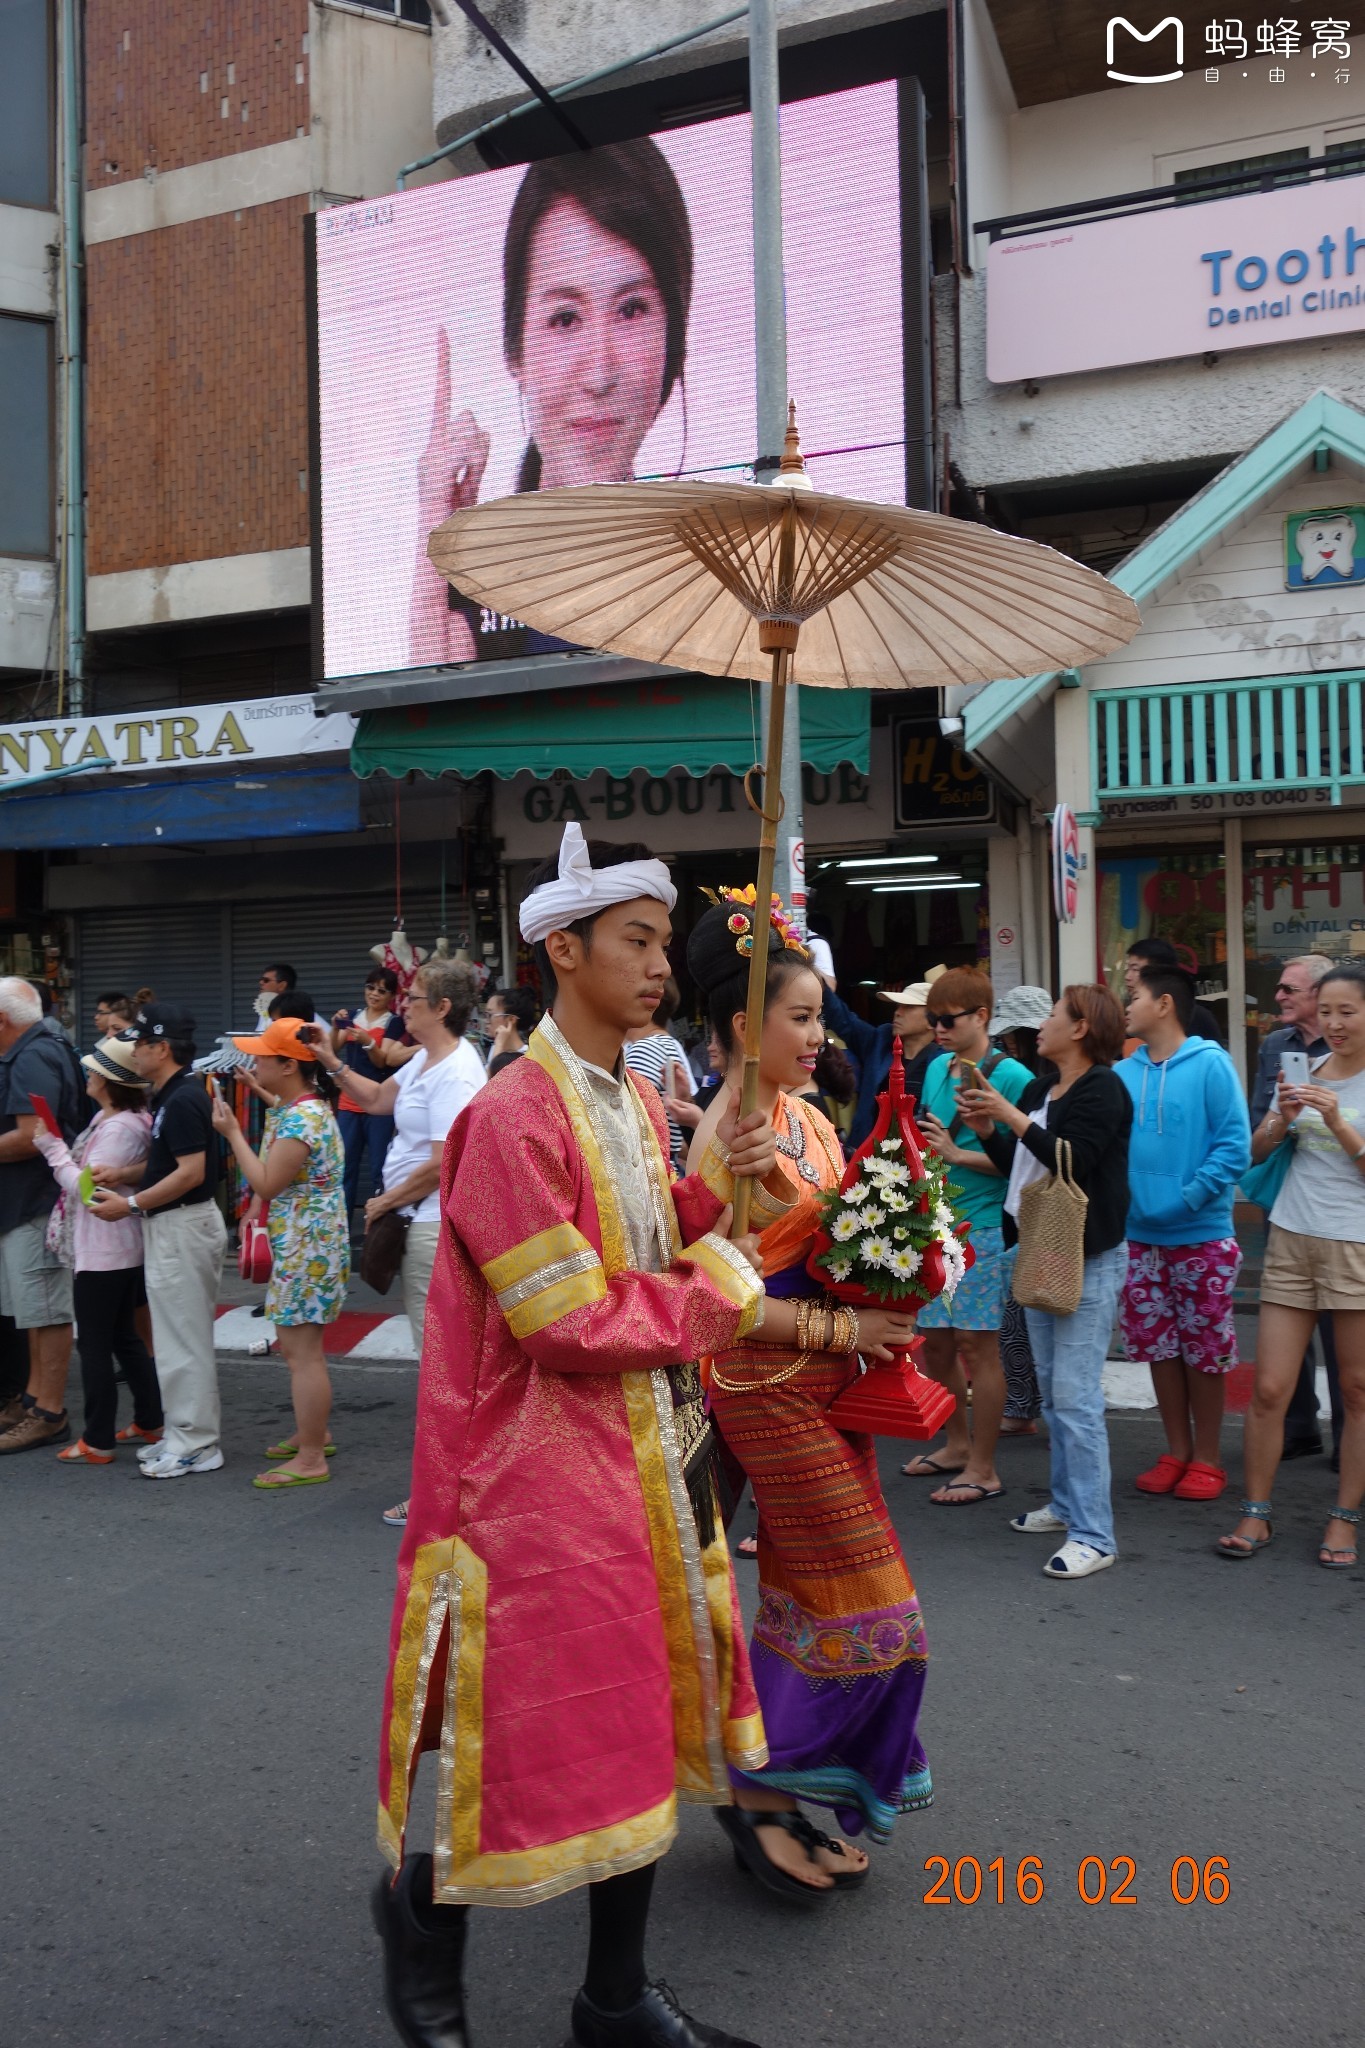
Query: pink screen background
x,y
392,271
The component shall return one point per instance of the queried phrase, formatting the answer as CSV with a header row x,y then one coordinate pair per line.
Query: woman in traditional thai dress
x,y
838,1647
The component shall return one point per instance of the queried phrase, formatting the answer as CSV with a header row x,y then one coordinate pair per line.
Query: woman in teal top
x,y
966,1330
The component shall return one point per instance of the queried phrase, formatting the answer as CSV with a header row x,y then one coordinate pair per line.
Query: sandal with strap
x,y
1341,1560
1252,1511
815,1838
742,1823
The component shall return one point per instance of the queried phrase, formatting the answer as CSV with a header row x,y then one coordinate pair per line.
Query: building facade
x,y
207,140
1122,388
1116,410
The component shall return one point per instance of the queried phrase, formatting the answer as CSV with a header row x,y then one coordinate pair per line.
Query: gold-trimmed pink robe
x,y
560,1637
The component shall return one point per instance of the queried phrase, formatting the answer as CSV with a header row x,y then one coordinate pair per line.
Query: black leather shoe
x,y
1302,1447
656,2020
423,1986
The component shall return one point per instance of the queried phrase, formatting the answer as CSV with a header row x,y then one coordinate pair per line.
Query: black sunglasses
x,y
946,1017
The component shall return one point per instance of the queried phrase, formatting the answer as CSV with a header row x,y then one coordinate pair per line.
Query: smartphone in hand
x,y
1294,1068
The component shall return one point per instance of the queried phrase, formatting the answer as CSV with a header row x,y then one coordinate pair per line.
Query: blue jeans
x,y
1069,1353
361,1133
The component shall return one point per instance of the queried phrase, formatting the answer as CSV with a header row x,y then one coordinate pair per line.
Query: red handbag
x,y
895,1399
253,1252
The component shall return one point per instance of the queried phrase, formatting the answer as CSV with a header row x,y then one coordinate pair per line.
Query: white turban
x,y
581,890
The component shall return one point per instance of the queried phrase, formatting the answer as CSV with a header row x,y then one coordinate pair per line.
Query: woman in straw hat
x,y
105,1257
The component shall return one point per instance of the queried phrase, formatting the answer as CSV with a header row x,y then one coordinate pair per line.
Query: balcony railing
x,y
1217,737
1341,163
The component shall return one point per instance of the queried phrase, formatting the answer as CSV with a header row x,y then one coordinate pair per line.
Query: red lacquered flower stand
x,y
896,1399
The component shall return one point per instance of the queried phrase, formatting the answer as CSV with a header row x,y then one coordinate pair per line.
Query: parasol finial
x,y
791,471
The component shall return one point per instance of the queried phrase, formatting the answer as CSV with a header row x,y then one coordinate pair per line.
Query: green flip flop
x,y
283,1452
288,1479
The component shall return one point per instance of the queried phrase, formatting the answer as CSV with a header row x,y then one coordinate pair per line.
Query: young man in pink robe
x,y
566,1635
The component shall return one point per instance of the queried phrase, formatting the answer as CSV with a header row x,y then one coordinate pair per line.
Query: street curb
x,y
361,1334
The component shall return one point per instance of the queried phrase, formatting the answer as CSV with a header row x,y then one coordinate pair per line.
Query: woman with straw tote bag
x,y
1049,1269
1064,1148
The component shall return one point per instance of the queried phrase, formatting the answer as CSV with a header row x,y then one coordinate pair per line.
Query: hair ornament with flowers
x,y
741,919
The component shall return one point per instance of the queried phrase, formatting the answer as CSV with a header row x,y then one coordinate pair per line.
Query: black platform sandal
x,y
741,1824
844,1880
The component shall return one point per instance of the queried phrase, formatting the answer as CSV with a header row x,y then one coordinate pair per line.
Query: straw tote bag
x,y
1049,1271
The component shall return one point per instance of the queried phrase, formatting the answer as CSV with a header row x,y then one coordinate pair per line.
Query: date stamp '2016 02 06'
x,y
1098,1882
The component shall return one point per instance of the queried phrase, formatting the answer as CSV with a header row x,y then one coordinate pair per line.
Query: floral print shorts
x,y
979,1303
1177,1303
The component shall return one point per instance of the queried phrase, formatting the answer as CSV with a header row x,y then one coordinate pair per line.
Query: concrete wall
x,y
1136,136
371,101
1129,139
1130,418
989,111
28,238
471,83
198,416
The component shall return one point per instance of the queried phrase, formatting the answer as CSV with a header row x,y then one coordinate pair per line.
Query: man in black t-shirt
x,y
174,1190
35,1287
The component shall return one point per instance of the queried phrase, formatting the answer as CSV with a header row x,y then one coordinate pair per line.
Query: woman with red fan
x,y
838,1648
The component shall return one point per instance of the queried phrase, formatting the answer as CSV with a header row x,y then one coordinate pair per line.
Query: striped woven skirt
x,y
838,1649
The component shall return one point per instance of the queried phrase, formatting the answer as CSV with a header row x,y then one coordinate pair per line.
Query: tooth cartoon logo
x,y
1325,547
1151,58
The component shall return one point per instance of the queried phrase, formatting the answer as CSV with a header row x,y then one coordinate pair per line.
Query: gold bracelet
x,y
844,1339
802,1323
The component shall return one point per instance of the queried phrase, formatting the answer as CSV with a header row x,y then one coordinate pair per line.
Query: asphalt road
x,y
192,1678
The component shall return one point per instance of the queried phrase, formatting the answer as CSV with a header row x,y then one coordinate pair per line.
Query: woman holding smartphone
x,y
299,1171
1314,1262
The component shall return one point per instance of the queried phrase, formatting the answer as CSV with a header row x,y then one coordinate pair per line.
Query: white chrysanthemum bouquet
x,y
889,1233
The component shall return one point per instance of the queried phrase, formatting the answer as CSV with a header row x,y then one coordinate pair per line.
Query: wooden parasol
x,y
728,579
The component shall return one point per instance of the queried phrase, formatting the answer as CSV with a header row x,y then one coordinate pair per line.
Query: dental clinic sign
x,y
1231,273
206,735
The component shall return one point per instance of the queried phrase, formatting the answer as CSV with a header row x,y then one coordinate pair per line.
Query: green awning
x,y
696,723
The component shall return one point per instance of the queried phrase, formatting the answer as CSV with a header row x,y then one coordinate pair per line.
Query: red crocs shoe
x,y
1164,1477
135,1434
1201,1482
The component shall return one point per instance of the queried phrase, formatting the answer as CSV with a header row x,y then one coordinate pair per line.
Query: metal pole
x,y
1236,945
770,357
73,411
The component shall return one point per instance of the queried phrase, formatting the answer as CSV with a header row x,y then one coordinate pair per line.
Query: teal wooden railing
x,y
1244,735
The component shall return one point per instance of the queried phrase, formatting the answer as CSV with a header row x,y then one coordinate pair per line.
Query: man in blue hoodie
x,y
1191,1141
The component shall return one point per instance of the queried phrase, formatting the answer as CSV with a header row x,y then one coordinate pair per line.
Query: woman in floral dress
x,y
300,1172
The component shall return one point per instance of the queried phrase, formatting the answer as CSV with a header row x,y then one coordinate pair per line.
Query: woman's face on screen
x,y
593,350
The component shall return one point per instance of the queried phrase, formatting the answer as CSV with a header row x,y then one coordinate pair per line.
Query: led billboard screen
x,y
590,318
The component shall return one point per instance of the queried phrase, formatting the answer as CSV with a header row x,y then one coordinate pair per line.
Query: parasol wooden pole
x,y
776,636
758,959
